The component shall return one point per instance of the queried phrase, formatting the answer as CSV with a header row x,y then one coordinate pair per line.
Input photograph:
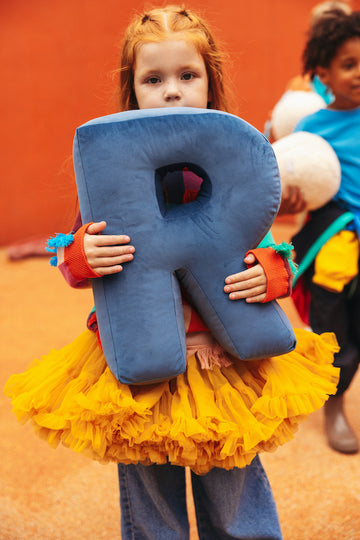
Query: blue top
x,y
341,129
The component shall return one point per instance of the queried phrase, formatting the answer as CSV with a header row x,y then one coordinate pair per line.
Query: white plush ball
x,y
308,162
291,108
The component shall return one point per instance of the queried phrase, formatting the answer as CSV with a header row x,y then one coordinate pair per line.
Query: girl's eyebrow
x,y
149,73
150,69
192,65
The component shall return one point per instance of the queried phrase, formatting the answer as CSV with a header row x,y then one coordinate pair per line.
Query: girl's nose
x,y
172,91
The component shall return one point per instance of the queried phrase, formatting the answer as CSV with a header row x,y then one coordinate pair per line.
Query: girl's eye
x,y
187,76
153,80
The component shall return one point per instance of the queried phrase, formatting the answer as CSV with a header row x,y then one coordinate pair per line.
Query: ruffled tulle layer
x,y
202,419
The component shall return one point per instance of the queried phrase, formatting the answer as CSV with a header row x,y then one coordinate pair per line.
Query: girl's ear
x,y
323,74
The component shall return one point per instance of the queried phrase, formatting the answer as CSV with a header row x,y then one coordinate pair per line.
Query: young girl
x,y
332,53
221,412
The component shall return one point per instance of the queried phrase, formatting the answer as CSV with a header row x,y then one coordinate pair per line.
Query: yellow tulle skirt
x,y
202,419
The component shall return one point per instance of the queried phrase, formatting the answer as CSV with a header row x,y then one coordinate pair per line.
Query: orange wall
x,y
56,64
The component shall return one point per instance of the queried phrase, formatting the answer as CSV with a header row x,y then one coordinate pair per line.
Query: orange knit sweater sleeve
x,y
75,268
277,270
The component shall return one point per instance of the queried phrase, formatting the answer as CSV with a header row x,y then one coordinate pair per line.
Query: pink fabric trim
x,y
71,280
209,356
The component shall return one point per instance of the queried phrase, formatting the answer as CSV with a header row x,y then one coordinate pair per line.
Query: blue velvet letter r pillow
x,y
118,161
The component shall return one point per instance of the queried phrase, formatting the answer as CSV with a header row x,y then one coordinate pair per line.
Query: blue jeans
x,y
228,504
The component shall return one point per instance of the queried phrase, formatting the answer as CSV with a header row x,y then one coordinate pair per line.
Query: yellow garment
x,y
204,418
336,264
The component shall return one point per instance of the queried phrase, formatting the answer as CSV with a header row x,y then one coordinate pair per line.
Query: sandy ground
x,y
50,494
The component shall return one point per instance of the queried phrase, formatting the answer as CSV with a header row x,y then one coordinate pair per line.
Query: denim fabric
x,y
236,504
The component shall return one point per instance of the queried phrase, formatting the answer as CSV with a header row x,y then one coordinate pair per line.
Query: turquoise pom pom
x,y
59,240
284,249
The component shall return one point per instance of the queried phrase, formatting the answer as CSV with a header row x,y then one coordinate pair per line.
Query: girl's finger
x,y
111,240
254,271
107,262
245,285
112,251
250,258
258,298
108,270
247,294
96,228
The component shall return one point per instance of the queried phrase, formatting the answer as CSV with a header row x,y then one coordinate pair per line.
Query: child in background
x,y
332,53
292,201
170,58
313,83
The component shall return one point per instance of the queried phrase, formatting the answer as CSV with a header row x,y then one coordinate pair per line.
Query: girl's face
x,y
343,76
170,73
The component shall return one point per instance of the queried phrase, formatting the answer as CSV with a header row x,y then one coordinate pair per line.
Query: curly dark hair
x,y
326,36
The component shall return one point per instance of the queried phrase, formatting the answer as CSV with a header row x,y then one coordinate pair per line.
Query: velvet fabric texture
x,y
120,163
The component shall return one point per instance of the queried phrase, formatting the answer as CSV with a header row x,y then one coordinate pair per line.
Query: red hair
x,y
157,25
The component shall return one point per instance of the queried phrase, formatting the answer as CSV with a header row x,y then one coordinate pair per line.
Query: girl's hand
x,y
106,253
250,284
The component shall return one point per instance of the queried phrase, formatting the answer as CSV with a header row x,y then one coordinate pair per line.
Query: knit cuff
x,y
75,258
277,271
